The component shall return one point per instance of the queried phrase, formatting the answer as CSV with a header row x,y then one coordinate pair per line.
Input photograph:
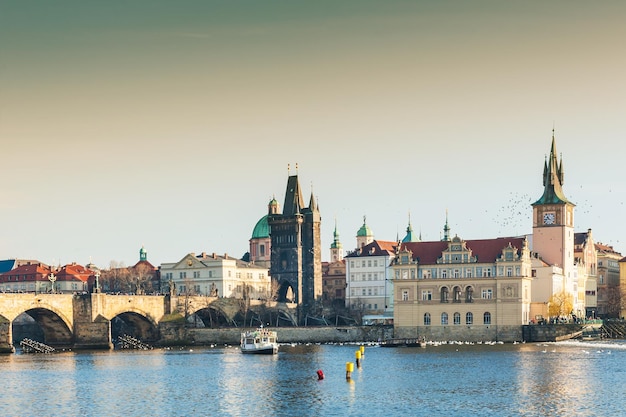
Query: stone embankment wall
x,y
230,336
549,332
357,334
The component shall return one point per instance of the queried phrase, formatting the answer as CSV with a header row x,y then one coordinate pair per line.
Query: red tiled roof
x,y
30,270
375,248
485,250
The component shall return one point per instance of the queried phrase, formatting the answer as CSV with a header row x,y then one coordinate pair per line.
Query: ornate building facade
x,y
458,289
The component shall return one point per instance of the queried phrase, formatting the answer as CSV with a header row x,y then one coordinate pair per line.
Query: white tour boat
x,y
261,341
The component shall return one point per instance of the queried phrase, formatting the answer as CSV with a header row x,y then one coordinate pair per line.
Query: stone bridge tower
x,y
296,260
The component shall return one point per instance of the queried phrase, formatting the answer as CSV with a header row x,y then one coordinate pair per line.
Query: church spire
x,y
446,229
336,248
552,179
409,233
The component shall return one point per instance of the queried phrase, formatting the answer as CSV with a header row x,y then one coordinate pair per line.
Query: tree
x,y
116,279
613,301
142,277
560,304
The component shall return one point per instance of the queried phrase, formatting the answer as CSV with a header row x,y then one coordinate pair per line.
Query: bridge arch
x,y
134,324
57,330
286,292
212,311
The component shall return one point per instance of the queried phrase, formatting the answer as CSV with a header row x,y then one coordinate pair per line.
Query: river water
x,y
551,379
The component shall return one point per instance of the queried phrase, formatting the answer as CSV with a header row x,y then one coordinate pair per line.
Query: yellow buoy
x,y
349,369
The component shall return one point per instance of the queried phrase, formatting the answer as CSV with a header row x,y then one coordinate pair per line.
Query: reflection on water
x,y
447,380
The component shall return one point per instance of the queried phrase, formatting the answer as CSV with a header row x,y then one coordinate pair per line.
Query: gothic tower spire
x,y
552,179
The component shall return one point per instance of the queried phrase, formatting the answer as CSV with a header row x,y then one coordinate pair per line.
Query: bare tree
x,y
116,278
142,277
613,301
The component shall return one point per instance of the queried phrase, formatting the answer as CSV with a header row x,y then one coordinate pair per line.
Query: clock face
x,y
548,218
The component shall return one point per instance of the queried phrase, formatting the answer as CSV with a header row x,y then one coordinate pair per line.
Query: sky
x,y
171,125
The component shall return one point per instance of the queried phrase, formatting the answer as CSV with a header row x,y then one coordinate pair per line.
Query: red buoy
x,y
320,374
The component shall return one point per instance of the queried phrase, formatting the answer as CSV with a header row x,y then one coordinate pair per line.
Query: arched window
x,y
444,318
457,318
457,294
487,318
469,318
444,294
426,319
469,295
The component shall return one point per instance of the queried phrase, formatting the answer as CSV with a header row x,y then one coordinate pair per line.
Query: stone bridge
x,y
84,321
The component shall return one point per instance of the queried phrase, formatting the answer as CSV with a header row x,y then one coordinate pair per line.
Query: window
x,y
182,275
375,262
487,294
468,273
457,294
210,274
426,319
457,318
369,263
509,271
457,273
469,295
405,295
363,291
469,318
351,264
487,272
487,318
444,273
196,274
427,295
444,318
444,294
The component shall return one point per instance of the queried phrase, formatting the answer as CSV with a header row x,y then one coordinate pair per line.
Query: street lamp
x,y
52,278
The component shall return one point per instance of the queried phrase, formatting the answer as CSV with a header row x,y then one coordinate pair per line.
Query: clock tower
x,y
553,220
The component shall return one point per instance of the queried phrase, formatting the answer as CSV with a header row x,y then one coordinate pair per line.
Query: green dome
x,y
262,229
364,230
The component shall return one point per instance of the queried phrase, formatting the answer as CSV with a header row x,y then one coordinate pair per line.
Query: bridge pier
x,y
6,336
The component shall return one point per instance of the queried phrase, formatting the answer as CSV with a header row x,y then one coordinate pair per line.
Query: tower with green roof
x,y
553,219
364,235
336,248
410,236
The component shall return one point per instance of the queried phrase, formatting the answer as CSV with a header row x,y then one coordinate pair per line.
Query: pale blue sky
x,y
171,124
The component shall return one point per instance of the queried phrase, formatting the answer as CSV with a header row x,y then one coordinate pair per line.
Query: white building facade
x,y
216,275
